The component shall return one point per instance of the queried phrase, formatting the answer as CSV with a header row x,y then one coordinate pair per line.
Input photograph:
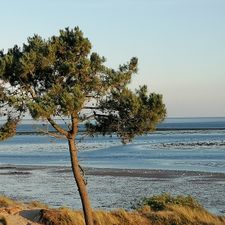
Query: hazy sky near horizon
x,y
180,43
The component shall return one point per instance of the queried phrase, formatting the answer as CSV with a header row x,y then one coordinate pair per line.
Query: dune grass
x,y
174,215
69,217
156,210
37,204
7,202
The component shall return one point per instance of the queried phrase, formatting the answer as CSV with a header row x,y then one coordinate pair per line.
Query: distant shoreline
x,y
158,129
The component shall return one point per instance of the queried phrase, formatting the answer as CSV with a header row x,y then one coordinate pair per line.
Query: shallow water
x,y
202,150
190,149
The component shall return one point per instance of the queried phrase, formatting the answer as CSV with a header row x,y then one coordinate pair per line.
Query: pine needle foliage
x,y
61,77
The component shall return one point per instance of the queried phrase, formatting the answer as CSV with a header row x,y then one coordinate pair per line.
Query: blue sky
x,y
180,43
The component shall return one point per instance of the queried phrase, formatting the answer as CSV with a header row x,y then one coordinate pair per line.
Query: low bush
x,y
161,202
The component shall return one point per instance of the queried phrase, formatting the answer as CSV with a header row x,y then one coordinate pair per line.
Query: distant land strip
x,y
158,129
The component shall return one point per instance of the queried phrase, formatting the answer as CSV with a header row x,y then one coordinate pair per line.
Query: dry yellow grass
x,y
37,204
179,215
7,202
69,217
175,215
174,212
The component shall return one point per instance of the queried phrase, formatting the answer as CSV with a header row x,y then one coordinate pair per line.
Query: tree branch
x,y
90,107
51,134
57,127
84,118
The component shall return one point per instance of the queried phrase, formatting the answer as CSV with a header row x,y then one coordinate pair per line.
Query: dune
x,y
159,210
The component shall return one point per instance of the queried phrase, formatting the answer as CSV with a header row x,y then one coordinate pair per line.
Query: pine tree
x,y
60,76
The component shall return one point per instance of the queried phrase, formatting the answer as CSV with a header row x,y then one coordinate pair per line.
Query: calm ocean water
x,y
187,144
182,144
168,124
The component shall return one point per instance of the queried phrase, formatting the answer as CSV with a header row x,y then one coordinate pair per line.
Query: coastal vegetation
x,y
156,210
61,78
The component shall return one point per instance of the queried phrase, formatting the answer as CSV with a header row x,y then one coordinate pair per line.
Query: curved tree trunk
x,y
80,183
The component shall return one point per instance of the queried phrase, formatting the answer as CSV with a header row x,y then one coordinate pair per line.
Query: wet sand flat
x,y
110,188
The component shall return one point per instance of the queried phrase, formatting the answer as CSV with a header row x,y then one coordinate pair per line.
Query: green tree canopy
x,y
60,76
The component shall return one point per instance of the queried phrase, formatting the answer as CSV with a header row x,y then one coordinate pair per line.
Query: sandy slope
x,y
19,216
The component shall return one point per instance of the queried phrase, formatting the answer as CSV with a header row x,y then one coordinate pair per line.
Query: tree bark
x,y
80,183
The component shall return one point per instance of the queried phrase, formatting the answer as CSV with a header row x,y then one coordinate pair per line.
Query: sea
x,y
36,166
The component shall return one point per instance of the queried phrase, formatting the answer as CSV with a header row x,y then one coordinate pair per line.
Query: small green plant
x,y
161,202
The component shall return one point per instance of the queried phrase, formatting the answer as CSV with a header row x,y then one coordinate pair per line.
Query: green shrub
x,y
161,202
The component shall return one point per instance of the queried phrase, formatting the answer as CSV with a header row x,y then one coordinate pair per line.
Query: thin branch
x,y
91,107
103,115
57,127
68,125
84,118
55,135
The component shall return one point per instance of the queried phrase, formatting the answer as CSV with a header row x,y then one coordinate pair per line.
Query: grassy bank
x,y
156,210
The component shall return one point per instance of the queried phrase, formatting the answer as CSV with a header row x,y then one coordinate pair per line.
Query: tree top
x,y
60,76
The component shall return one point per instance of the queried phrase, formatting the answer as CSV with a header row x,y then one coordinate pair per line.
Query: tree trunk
x,y
80,183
